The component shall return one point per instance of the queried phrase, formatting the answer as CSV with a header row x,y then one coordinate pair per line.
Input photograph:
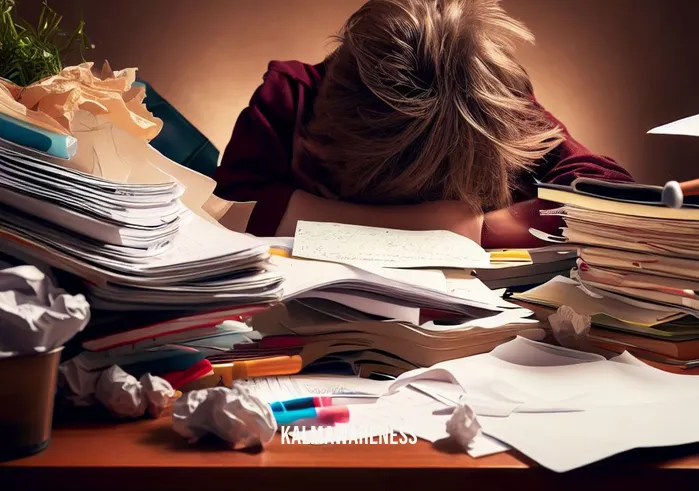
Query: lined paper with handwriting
x,y
353,244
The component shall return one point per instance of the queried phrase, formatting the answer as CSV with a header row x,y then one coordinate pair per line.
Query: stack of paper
x,y
371,300
335,317
325,333
349,312
638,256
136,245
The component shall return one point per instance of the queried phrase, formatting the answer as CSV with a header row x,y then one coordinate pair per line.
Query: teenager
x,y
420,119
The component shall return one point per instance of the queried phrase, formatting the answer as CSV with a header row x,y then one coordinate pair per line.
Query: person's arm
x,y
439,215
256,163
509,227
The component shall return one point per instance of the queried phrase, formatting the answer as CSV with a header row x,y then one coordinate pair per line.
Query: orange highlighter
x,y
259,367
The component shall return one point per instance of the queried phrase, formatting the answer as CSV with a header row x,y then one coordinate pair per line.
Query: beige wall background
x,y
609,69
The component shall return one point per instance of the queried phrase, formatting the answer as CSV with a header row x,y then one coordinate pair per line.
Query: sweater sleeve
x,y
571,160
256,165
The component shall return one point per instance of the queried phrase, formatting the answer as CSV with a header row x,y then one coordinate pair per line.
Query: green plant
x,y
28,53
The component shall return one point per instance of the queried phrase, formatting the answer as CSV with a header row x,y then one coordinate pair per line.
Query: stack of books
x,y
638,260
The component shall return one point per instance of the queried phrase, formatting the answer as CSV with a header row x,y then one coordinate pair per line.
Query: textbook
x,y
619,198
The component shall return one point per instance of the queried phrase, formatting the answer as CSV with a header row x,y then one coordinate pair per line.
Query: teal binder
x,y
180,140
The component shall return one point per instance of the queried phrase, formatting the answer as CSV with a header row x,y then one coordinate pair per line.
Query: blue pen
x,y
301,403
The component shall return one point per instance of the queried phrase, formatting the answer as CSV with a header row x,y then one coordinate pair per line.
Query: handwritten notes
x,y
353,244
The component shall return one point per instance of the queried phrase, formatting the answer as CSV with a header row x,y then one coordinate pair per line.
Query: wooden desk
x,y
149,455
101,456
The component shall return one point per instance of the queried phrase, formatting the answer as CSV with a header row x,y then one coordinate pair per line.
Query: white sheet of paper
x,y
574,408
475,289
371,306
352,244
272,389
415,413
301,276
431,279
685,126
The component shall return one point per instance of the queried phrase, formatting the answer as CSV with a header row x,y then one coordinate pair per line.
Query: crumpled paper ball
x,y
157,392
120,393
463,426
570,328
36,316
232,414
80,383
126,397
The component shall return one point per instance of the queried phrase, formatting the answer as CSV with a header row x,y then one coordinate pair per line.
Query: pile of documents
x,y
356,300
134,244
381,301
638,268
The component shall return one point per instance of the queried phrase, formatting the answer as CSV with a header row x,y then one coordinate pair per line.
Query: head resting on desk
x,y
423,100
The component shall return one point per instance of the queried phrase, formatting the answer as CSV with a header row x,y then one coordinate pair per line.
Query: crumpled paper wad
x,y
463,426
570,328
35,315
232,414
51,103
121,393
79,383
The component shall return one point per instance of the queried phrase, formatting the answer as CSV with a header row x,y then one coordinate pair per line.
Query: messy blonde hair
x,y
423,100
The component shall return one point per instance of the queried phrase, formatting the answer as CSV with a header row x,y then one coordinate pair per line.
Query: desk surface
x,y
94,454
99,455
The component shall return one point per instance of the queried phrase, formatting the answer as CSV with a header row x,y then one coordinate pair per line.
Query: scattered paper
x,y
686,127
410,411
571,408
35,315
352,244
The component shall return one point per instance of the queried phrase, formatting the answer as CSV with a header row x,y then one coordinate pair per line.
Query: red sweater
x,y
259,165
